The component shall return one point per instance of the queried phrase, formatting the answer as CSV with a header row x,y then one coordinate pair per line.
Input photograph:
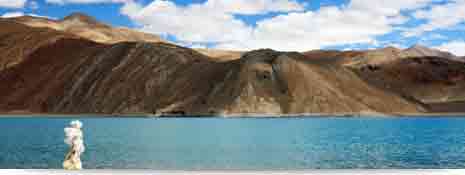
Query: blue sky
x,y
278,24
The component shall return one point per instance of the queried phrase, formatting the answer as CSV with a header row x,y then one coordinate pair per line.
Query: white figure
x,y
73,138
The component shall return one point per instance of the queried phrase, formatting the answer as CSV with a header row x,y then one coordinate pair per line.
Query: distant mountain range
x,y
79,65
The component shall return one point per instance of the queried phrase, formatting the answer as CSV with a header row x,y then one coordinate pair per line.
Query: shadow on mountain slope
x,y
79,76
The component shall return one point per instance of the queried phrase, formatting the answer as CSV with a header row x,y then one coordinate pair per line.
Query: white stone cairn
x,y
74,139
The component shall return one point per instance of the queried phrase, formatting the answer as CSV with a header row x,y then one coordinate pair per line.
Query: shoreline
x,y
235,116
238,172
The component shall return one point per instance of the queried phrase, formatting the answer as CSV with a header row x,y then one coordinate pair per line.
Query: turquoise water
x,y
239,144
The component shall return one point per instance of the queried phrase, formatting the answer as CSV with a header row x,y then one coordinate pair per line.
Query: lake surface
x,y
238,144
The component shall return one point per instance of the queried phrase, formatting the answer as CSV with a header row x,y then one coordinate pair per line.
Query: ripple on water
x,y
246,144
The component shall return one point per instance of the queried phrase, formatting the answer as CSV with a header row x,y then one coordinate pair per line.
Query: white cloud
x,y
360,21
388,8
437,36
439,17
12,3
19,14
33,5
12,14
62,2
252,6
313,30
455,47
40,16
212,21
130,8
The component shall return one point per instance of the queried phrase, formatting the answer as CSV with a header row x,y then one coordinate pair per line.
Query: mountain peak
x,y
390,49
418,50
418,46
77,16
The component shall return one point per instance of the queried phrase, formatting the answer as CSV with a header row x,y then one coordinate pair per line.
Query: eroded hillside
x,y
89,28
18,41
50,71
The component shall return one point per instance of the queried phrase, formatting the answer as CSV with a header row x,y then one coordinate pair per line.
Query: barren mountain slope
x,y
374,57
428,79
47,70
333,56
422,51
356,58
17,41
87,27
221,55
299,85
79,76
378,56
418,73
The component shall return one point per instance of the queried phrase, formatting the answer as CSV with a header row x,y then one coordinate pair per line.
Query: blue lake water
x,y
238,144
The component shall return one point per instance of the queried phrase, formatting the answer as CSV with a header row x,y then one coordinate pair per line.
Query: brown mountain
x,y
17,41
55,67
428,79
333,56
75,75
422,51
379,56
89,28
356,58
221,55
419,73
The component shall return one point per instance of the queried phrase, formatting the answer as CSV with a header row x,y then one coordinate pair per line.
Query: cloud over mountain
x,y
456,47
439,17
212,21
12,3
359,21
278,24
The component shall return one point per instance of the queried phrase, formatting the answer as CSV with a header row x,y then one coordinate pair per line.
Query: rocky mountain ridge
x,y
89,28
70,74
